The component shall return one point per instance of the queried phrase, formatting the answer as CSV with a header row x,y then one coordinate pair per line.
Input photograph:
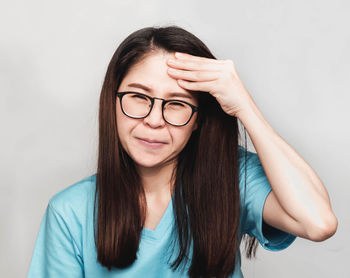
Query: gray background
x,y
292,56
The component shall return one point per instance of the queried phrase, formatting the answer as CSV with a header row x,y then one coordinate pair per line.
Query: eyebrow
x,y
172,94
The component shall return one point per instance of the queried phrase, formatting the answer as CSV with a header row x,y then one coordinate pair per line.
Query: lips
x,y
151,140
151,144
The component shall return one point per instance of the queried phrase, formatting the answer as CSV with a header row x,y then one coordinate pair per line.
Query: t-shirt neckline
x,y
163,224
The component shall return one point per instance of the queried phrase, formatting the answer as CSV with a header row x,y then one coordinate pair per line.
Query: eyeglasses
x,y
138,106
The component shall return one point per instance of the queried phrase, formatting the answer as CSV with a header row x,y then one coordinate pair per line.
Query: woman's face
x,y
152,73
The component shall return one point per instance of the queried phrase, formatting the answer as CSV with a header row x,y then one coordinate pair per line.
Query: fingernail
x,y
178,54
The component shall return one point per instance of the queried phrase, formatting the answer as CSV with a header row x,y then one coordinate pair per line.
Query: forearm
x,y
296,185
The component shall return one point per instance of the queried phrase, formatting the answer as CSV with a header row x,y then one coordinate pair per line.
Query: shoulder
x,y
248,161
63,229
75,197
253,182
243,151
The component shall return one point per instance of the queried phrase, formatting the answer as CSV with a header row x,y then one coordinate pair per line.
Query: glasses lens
x,y
177,113
137,106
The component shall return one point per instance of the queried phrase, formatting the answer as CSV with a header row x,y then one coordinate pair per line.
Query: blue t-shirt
x,y
65,244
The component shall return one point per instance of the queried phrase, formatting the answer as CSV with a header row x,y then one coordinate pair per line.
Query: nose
x,y
155,117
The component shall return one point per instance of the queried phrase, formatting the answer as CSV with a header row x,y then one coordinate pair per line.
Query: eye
x,y
138,96
177,104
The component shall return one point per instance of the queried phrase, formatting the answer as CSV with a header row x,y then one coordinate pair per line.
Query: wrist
x,y
253,120
246,111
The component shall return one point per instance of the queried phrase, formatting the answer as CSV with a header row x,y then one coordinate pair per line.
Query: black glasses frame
x,y
164,101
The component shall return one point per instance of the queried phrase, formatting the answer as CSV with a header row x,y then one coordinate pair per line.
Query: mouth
x,y
151,140
151,143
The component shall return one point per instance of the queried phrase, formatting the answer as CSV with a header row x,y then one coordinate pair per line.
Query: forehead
x,y
168,94
150,76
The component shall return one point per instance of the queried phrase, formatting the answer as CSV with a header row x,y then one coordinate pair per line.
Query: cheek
x,y
181,136
124,126
119,120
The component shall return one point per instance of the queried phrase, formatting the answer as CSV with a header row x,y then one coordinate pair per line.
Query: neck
x,y
157,181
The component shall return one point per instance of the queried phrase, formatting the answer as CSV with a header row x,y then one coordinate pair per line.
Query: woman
x,y
174,193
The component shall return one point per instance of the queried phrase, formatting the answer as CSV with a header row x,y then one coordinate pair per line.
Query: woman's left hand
x,y
217,77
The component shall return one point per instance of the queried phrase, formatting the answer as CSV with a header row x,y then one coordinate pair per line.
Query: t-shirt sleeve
x,y
257,190
56,253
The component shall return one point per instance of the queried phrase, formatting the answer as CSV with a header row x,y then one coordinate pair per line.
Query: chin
x,y
152,163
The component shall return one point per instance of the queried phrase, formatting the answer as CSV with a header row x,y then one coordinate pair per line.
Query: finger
x,y
193,75
186,56
205,86
189,64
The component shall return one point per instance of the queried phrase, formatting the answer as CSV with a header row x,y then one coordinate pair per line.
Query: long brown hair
x,y
206,177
